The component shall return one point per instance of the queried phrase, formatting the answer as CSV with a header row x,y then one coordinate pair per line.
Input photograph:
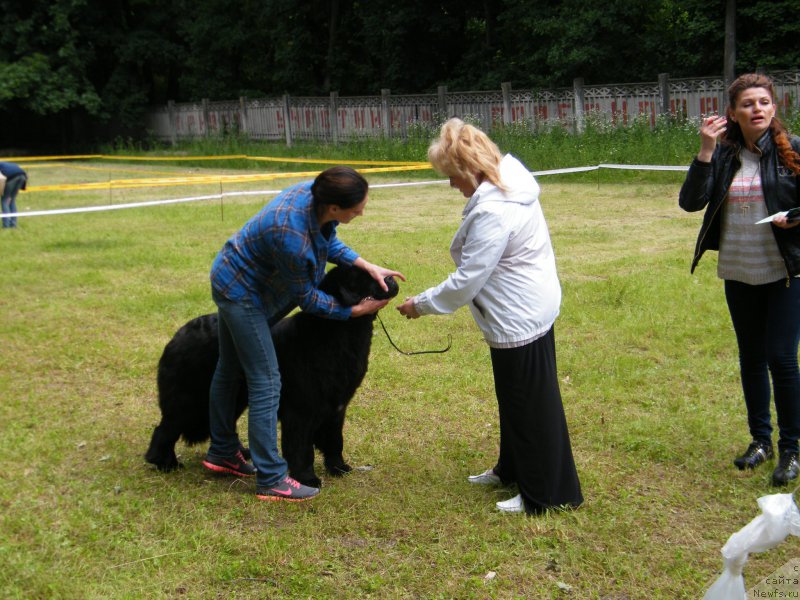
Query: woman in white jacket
x,y
506,273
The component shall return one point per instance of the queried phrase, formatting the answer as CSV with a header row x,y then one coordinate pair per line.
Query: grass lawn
x,y
649,375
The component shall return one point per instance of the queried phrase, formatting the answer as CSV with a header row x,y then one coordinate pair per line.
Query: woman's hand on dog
x,y
378,273
368,306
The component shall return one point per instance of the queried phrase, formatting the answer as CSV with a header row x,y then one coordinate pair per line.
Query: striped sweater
x,y
748,252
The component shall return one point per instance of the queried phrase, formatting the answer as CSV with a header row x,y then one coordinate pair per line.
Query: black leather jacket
x,y
706,186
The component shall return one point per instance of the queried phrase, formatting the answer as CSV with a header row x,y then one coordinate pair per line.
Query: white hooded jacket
x,y
506,269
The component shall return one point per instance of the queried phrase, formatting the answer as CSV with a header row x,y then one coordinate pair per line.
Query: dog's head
x,y
350,285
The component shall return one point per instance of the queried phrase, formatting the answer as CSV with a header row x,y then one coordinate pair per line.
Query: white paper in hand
x,y
793,214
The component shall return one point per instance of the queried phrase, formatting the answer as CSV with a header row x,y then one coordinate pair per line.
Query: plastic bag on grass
x,y
780,518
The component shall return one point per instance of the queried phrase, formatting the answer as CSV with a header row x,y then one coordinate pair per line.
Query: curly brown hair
x,y
780,136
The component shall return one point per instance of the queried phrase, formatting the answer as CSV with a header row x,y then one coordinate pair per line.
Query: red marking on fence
x,y
497,114
563,109
648,109
708,104
541,112
678,107
616,112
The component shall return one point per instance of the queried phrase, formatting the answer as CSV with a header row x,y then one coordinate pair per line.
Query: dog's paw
x,y
315,482
307,477
339,470
169,467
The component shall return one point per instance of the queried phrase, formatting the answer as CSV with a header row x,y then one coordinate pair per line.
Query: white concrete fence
x,y
337,118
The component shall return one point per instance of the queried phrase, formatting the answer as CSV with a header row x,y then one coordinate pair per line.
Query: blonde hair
x,y
465,151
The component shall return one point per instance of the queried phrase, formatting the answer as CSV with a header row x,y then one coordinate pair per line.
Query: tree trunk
x,y
729,70
326,84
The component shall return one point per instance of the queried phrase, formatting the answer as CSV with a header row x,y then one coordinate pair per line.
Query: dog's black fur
x,y
322,363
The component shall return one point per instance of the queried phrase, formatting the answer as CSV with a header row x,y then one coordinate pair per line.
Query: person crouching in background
x,y
15,180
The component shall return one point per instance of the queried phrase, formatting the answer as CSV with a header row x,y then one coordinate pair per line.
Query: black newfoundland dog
x,y
322,363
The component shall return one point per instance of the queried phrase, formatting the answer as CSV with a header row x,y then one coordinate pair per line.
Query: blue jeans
x,y
766,319
245,345
9,200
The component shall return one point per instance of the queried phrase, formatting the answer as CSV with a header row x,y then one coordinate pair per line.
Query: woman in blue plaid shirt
x,y
272,265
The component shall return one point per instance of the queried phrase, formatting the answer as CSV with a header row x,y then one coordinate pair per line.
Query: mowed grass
x,y
649,378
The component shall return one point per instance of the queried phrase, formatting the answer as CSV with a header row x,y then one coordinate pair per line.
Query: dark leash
x,y
449,342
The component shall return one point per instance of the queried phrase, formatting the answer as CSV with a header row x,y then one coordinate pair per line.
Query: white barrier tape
x,y
407,184
645,167
568,170
83,209
64,211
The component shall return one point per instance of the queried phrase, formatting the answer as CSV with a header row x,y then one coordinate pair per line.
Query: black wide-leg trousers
x,y
535,451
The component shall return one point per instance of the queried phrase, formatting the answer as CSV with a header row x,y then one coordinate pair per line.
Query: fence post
x,y
333,115
243,129
663,89
205,116
387,127
173,127
506,87
287,120
577,85
442,91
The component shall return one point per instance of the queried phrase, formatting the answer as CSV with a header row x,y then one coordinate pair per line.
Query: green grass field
x,y
649,377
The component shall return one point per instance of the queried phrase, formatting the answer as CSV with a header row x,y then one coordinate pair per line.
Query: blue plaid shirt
x,y
278,258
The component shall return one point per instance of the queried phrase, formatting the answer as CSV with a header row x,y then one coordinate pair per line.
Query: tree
x,y
67,66
42,61
544,44
769,39
108,60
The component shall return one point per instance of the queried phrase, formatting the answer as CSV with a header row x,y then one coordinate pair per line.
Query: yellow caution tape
x,y
279,159
204,179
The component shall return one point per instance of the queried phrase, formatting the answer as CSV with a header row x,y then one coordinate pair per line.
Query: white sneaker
x,y
488,477
514,505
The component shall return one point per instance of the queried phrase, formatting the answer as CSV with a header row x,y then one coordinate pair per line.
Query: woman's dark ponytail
x,y
342,186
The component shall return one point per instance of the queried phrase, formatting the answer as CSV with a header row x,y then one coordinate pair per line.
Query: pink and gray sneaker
x,y
233,465
287,489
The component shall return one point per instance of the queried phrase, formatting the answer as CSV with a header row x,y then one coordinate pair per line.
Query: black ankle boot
x,y
788,468
756,454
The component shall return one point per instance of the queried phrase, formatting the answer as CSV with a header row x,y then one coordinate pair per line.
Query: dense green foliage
x,y
109,59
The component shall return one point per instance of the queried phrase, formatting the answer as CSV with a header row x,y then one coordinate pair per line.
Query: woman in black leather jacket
x,y
752,174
